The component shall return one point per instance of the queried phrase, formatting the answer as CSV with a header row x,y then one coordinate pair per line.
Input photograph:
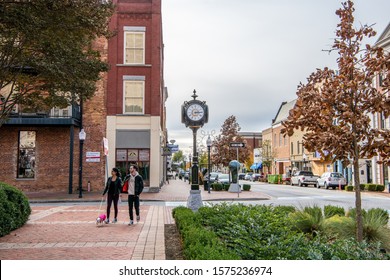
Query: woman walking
x,y
113,188
136,185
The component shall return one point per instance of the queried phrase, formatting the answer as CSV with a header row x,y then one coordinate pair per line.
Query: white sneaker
x,y
138,218
131,222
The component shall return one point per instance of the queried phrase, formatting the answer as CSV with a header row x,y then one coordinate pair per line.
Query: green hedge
x,y
199,243
369,187
246,187
14,209
236,231
217,187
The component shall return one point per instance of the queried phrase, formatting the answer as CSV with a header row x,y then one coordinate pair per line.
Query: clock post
x,y
194,114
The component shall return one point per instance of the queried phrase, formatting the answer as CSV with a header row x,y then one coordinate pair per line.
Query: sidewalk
x,y
176,190
68,231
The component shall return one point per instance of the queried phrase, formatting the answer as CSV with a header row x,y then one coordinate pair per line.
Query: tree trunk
x,y
358,200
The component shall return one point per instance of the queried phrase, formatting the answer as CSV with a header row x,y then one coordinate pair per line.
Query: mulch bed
x,y
173,245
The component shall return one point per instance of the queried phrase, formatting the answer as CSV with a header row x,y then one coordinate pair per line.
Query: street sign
x,y
93,157
237,145
105,146
174,148
166,151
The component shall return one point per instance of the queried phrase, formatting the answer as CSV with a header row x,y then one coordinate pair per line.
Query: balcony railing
x,y
56,116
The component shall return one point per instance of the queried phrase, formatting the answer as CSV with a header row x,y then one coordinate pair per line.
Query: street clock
x,y
194,113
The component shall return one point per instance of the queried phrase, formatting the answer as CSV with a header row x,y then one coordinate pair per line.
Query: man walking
x,y
136,186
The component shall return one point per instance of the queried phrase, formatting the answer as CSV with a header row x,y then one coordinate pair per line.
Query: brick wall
x,y
52,159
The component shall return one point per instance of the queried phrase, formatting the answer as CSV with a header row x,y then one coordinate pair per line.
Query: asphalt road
x,y
309,196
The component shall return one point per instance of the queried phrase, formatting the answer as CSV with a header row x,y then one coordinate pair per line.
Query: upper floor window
x,y
134,41
26,154
134,92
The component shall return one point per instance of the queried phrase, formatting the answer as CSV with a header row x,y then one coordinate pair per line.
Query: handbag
x,y
125,186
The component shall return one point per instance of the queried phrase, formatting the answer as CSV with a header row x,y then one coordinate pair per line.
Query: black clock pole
x,y
194,114
194,168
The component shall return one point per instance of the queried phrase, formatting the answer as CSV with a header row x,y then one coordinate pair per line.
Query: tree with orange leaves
x,y
334,106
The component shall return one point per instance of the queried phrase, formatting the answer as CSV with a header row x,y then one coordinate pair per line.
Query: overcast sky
x,y
246,57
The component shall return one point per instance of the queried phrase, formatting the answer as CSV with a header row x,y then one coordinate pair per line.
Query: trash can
x,y
206,185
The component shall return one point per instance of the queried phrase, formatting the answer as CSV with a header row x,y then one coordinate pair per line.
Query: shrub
x,y
264,233
225,186
246,187
349,188
199,243
217,186
14,209
309,220
330,211
363,187
371,187
380,188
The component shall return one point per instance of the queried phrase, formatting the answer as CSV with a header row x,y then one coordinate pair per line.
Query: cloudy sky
x,y
246,57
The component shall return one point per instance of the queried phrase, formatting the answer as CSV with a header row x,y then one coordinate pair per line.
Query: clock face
x,y
195,112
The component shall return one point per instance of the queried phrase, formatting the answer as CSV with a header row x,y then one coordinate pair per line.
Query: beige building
x,y
379,173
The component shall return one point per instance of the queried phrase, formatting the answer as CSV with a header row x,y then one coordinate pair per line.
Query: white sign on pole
x,y
93,157
105,146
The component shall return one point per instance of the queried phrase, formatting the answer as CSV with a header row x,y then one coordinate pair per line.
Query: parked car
x,y
256,177
286,179
331,179
304,178
213,176
248,176
241,176
222,178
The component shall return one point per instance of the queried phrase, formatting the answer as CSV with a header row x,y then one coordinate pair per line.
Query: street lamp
x,y
209,142
82,136
304,156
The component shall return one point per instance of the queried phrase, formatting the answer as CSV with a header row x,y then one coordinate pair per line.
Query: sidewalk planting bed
x,y
236,231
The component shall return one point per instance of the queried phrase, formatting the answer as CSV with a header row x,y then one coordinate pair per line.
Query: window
x,y
26,154
280,139
141,157
134,40
134,88
292,148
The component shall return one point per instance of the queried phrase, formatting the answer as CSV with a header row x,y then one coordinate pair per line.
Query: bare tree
x,y
335,106
222,152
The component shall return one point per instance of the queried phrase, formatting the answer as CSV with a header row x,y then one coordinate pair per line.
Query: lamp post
x,y
82,136
304,156
209,142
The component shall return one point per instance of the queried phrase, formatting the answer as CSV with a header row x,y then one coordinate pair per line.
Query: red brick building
x,y
39,151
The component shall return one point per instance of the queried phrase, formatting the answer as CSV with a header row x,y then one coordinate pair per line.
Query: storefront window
x,y
26,154
140,157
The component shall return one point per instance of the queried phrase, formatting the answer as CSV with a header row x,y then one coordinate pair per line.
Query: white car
x,y
331,179
222,178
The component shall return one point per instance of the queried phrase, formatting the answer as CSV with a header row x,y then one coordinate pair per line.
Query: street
x,y
309,196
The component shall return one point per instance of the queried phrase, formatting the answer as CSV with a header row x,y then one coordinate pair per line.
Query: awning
x,y
257,165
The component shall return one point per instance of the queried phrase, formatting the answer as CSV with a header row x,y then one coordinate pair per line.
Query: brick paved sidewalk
x,y
70,232
66,231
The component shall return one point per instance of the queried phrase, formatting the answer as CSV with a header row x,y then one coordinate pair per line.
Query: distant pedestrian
x,y
113,189
136,186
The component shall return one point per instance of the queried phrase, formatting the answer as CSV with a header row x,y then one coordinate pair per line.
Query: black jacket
x,y
118,185
138,183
